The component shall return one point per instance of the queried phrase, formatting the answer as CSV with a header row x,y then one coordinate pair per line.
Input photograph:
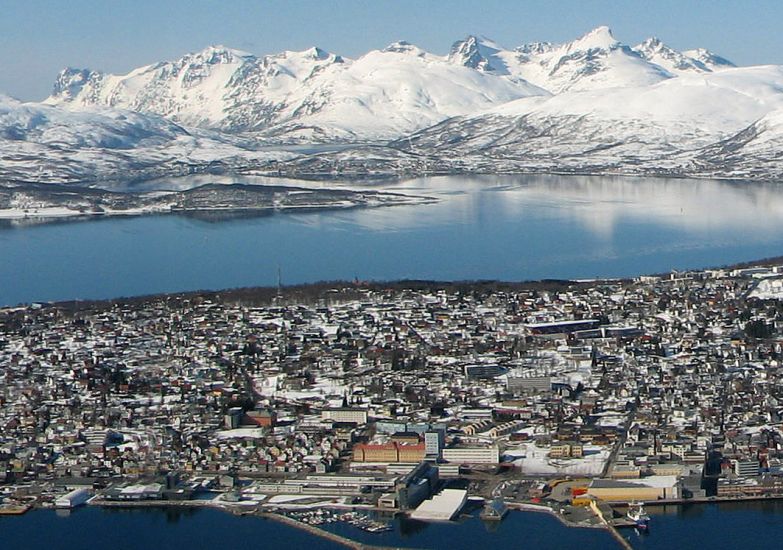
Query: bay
x,y
133,529
722,526
483,227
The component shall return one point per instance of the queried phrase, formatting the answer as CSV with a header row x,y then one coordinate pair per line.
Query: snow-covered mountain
x,y
655,51
46,144
612,127
311,95
756,152
594,61
316,96
590,105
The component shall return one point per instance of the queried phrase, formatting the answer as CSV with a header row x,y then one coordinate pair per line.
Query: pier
x,y
609,525
316,531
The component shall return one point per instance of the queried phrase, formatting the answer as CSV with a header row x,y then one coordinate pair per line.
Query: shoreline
x,y
347,542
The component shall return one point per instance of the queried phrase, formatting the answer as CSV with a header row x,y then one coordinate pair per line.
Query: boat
x,y
637,514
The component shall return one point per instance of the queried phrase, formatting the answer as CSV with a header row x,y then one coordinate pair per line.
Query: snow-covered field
x,y
534,460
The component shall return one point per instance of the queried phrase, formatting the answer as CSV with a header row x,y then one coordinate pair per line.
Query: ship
x,y
637,514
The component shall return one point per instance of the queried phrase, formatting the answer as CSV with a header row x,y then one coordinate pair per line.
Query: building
x,y
746,468
419,484
265,418
472,455
389,452
441,507
434,441
529,384
233,418
629,490
484,371
348,415
566,449
75,498
562,327
407,438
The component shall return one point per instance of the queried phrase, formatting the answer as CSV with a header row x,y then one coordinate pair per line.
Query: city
x,y
359,401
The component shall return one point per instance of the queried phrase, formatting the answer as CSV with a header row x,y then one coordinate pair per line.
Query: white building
x,y
472,455
345,414
75,498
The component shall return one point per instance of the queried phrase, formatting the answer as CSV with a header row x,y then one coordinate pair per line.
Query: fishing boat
x,y
637,514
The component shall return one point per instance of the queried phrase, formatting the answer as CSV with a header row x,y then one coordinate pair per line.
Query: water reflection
x,y
493,227
598,203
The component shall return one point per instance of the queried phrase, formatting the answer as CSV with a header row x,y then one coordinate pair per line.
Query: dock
x,y
601,510
318,532
14,509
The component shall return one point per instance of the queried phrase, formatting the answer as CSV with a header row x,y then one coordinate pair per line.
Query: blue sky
x,y
40,37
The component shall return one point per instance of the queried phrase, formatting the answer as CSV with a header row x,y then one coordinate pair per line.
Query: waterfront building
x,y
629,490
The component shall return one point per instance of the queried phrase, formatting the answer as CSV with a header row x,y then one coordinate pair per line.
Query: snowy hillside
x,y
756,152
628,129
592,105
40,143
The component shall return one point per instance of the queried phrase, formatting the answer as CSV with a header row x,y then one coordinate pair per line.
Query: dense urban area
x,y
361,401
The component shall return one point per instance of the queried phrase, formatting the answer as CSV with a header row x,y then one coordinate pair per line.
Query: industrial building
x,y
629,490
75,498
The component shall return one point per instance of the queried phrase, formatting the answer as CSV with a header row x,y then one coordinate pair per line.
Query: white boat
x,y
637,514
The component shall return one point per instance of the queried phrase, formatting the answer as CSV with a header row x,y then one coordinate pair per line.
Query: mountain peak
x,y
219,54
70,82
652,43
401,46
317,53
710,59
598,38
473,52
653,47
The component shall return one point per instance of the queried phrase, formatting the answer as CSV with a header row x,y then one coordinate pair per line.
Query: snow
x,y
598,38
696,100
768,289
590,105
534,460
381,95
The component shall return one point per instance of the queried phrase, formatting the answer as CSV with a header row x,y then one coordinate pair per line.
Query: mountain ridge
x,y
591,104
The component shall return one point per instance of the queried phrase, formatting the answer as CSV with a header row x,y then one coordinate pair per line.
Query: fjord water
x,y
717,526
132,529
489,227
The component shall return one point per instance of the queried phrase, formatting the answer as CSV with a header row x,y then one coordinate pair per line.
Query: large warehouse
x,y
628,490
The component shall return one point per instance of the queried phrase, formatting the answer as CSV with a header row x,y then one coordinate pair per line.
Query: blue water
x,y
150,528
532,530
713,526
512,228
726,526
